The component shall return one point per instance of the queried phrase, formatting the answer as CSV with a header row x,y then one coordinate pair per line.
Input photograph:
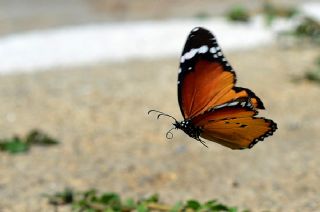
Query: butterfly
x,y
212,106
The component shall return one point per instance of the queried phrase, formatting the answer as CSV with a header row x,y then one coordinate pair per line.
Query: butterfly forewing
x,y
205,77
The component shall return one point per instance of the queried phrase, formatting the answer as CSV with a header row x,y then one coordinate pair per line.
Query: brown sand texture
x,y
108,142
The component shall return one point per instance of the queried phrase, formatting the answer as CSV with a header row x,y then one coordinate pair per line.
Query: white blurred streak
x,y
114,42
312,9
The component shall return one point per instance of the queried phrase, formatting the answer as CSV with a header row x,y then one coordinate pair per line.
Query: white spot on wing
x,y
203,49
233,103
213,50
220,106
190,54
195,29
228,104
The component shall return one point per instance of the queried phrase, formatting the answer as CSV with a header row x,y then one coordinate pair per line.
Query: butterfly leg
x,y
202,142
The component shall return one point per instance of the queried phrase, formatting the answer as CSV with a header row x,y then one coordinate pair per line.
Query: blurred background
x,y
78,77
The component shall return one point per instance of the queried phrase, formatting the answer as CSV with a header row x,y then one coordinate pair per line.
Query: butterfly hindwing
x,y
205,77
234,125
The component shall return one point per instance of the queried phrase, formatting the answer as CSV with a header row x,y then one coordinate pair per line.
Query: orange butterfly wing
x,y
234,126
210,85
208,98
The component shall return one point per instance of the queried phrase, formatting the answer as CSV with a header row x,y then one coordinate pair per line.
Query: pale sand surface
x,y
108,141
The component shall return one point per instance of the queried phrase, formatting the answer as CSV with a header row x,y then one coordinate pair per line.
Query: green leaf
x,y
238,13
17,145
214,205
14,145
90,193
153,198
37,137
111,202
177,207
221,207
193,204
312,76
61,198
142,208
233,209
272,11
108,198
111,199
129,203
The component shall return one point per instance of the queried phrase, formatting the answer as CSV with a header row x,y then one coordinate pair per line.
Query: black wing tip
x,y
251,94
273,127
201,28
260,104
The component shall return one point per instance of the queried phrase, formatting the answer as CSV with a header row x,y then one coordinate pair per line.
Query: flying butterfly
x,y
212,106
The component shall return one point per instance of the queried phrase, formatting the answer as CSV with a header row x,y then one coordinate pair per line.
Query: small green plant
x,y
307,31
314,74
309,28
18,145
111,202
13,145
271,12
238,14
61,198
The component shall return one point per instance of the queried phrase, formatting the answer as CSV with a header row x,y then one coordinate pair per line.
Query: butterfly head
x,y
186,126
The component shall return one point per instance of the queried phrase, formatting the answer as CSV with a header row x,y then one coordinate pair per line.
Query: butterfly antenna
x,y
169,134
161,114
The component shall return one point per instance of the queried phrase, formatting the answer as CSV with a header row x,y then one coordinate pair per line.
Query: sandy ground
x,y
108,141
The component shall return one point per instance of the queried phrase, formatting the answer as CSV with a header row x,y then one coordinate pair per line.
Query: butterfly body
x,y
189,128
211,105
